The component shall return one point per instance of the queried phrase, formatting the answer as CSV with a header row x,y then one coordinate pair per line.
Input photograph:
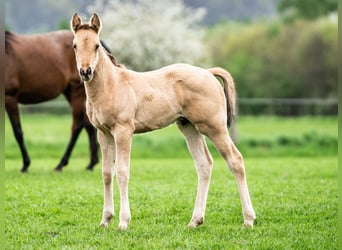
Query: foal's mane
x,y
111,57
85,26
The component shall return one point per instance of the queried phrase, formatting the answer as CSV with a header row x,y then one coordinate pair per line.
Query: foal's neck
x,y
99,85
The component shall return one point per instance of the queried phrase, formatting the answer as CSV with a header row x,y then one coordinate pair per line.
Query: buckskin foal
x,y
121,102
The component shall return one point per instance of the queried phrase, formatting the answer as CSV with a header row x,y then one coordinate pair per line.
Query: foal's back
x,y
163,96
39,67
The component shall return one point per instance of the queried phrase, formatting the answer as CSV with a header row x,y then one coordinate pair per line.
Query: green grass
x,y
294,194
295,200
47,135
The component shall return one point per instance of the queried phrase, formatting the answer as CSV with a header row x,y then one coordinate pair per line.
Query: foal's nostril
x,y
89,71
86,72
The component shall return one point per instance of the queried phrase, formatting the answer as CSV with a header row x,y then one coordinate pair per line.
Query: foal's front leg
x,y
123,139
107,143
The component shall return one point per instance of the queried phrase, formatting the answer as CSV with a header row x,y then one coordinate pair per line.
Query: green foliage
x,y
276,59
63,24
307,8
7,27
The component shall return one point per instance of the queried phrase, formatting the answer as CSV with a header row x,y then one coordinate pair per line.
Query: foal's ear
x,y
95,22
75,22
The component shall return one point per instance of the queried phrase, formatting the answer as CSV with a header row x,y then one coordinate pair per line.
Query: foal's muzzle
x,y
86,74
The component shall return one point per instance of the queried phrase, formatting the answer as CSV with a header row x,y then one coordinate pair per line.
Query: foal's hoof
x,y
104,224
58,170
122,227
106,218
248,224
195,222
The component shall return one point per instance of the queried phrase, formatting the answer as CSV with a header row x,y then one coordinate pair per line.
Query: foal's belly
x,y
156,111
150,123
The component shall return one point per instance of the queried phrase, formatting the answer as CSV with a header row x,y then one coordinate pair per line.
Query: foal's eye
x,y
97,46
74,46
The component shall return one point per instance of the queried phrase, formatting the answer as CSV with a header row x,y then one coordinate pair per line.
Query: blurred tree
x,y
277,60
63,24
309,9
242,10
147,34
7,27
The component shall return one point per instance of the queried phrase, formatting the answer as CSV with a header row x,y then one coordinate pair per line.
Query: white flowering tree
x,y
148,34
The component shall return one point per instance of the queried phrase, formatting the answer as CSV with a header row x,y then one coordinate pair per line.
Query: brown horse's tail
x,y
229,91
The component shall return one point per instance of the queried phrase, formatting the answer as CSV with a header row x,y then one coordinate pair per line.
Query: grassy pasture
x,y
47,135
295,198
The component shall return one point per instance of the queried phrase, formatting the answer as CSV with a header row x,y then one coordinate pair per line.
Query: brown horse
x,y
39,68
121,102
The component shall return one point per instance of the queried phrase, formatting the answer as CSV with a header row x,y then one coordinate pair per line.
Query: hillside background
x,y
44,15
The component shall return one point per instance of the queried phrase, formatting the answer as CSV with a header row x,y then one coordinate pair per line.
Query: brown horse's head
x,y
86,44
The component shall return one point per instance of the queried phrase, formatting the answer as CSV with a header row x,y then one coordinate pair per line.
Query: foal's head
x,y
86,44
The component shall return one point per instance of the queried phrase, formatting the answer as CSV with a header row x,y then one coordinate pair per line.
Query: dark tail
x,y
229,91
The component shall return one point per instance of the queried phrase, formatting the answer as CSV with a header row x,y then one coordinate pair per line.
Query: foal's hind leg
x,y
204,164
223,142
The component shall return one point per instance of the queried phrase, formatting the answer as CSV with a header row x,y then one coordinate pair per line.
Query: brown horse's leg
x,y
13,113
220,137
76,98
93,146
76,129
204,164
